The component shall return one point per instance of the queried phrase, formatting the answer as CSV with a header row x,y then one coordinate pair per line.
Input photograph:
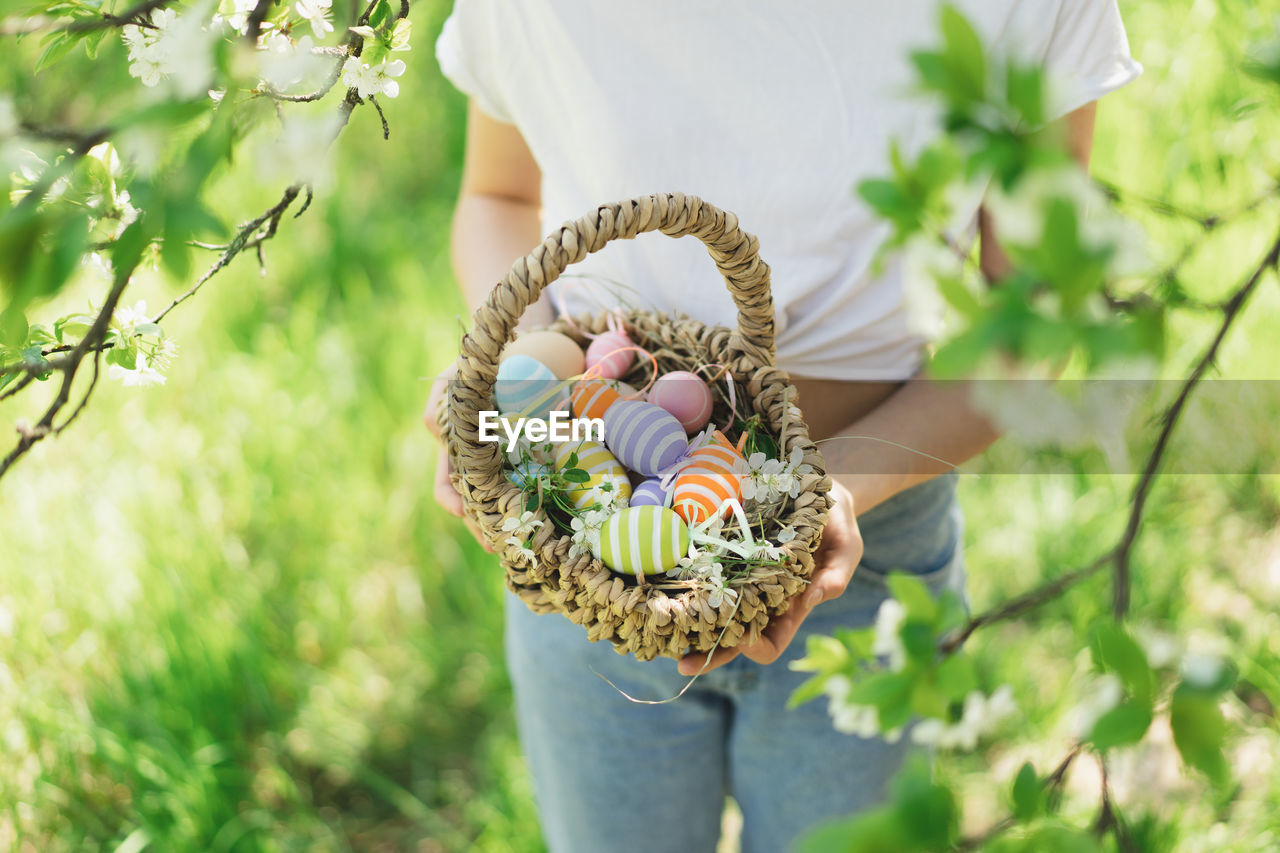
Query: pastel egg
x,y
598,462
607,356
643,540
526,387
526,474
643,436
557,352
685,396
649,493
703,486
591,398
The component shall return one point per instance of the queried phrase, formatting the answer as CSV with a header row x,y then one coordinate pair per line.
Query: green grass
x,y
232,618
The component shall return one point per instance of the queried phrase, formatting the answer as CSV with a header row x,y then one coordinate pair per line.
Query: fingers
x,y
775,639
691,664
446,495
828,582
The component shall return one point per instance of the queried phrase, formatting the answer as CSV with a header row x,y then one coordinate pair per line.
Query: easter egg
x,y
685,396
649,493
598,462
607,357
526,387
591,398
526,474
643,540
643,436
557,352
707,482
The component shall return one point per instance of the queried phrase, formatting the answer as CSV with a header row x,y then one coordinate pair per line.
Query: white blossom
x,y
176,48
1201,670
285,64
128,319
888,637
786,534
238,20
522,526
981,717
165,353
850,718
316,12
141,375
372,80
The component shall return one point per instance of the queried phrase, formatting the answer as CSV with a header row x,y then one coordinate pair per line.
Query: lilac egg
x,y
644,437
649,493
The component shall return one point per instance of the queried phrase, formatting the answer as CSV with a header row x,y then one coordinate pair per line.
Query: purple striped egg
x,y
643,436
649,493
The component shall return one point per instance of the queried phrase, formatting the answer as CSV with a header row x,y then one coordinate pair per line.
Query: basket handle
x,y
735,252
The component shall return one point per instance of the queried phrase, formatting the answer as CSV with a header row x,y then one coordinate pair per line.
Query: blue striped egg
x,y
598,462
644,437
526,474
643,540
526,387
649,493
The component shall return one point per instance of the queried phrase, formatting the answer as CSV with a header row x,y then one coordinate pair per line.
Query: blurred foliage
x,y
232,618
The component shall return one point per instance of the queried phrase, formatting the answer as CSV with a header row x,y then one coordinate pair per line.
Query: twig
x,y
1051,784
42,429
253,24
1027,601
386,128
128,16
1123,551
247,237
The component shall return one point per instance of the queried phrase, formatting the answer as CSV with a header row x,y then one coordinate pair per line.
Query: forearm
x,y
936,418
489,234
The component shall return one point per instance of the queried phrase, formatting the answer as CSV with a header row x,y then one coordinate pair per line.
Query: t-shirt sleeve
x,y
1087,55
467,56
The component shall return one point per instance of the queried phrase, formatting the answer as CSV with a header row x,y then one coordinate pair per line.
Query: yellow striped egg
x,y
708,481
643,540
598,462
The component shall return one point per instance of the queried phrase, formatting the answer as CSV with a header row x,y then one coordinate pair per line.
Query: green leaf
x,y
1028,794
1024,89
822,654
13,327
811,689
918,640
1199,731
1115,651
964,54
400,35
1122,725
576,475
915,597
925,809
956,676
58,46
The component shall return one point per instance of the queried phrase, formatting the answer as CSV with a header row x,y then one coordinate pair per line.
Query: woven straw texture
x,y
646,619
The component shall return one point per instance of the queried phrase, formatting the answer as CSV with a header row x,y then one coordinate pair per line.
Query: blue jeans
x,y
612,776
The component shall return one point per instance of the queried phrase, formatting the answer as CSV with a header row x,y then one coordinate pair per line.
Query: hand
x,y
445,494
834,562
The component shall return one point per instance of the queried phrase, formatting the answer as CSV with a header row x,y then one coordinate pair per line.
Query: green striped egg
x,y
598,462
643,540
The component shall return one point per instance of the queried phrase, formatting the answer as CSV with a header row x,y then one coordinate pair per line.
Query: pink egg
x,y
607,357
685,396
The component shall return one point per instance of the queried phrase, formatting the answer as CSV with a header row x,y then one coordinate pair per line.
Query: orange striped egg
x,y
598,462
707,482
591,398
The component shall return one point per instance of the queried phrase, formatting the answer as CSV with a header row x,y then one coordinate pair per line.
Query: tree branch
x,y
1231,310
128,16
246,237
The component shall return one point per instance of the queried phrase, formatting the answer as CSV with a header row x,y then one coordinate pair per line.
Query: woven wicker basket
x,y
638,617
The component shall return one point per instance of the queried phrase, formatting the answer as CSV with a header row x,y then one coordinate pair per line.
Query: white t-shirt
x,y
773,110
